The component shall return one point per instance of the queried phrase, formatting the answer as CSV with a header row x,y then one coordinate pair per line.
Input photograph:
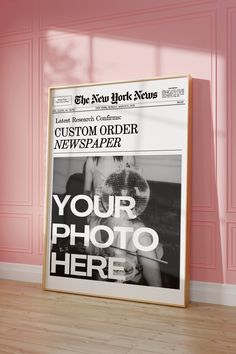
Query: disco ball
x,y
126,182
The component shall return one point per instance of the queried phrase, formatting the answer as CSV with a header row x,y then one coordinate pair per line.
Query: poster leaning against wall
x,y
118,190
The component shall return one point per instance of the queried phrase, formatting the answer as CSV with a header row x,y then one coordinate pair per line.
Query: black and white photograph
x,y
154,182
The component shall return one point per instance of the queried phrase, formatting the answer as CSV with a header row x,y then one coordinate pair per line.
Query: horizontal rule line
x,y
91,152
120,108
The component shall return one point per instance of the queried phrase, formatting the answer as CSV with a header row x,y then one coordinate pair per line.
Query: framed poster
x,y
118,190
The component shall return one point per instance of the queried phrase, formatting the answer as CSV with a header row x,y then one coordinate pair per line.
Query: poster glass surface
x,y
118,190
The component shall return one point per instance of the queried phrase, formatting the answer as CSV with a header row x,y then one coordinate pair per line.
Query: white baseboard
x,y
212,293
21,272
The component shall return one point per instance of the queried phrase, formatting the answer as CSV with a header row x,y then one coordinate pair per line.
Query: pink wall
x,y
55,42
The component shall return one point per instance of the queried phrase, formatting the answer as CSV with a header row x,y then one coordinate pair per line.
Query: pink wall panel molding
x,y
92,41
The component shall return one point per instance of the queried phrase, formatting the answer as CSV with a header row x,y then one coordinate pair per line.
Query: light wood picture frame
x,y
118,200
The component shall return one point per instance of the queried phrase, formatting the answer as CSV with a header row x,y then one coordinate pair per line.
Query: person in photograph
x,y
96,171
140,267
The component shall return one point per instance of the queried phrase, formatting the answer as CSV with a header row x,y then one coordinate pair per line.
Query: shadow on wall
x,y
206,250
